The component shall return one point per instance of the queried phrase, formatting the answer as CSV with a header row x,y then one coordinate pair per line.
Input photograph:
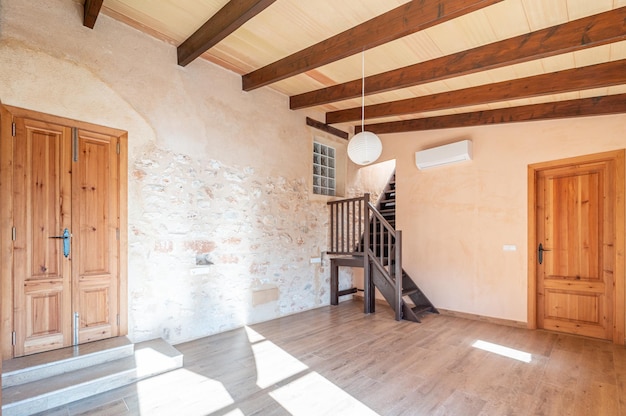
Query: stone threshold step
x,y
53,363
150,358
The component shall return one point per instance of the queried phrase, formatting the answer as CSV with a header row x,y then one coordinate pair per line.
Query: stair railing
x,y
356,220
347,225
385,253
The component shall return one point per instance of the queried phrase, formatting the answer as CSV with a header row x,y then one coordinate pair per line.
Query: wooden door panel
x,y
584,308
575,282
42,210
96,216
96,312
44,321
574,232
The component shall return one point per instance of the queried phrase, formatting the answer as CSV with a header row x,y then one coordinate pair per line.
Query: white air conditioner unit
x,y
444,155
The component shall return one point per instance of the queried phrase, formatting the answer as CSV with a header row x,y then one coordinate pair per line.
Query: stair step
x,y
420,309
409,292
52,363
149,358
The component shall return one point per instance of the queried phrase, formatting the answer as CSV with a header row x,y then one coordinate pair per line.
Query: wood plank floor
x,y
338,361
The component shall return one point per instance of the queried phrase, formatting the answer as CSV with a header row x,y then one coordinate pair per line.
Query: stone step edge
x,y
68,363
115,374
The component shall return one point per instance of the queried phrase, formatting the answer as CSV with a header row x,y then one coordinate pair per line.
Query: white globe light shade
x,y
364,148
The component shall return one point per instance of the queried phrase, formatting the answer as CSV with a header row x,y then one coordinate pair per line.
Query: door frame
x,y
7,114
619,309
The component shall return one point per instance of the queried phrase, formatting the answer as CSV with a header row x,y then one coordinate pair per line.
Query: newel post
x,y
368,287
398,273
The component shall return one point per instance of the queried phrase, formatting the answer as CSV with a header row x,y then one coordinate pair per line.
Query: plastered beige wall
x,y
456,219
215,173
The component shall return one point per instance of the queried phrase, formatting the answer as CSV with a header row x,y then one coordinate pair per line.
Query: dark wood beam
x,y
228,19
404,20
588,32
92,10
593,76
596,106
326,128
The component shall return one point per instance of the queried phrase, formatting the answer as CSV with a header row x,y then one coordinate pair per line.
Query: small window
x,y
323,169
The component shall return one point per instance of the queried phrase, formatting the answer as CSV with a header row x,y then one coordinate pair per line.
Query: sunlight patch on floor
x,y
273,364
195,394
503,351
312,394
253,336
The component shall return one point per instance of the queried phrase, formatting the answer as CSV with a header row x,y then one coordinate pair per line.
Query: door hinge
x,y
74,144
13,234
117,234
13,129
117,148
118,319
13,338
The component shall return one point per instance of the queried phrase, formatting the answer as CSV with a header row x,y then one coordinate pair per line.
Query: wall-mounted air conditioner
x,y
444,155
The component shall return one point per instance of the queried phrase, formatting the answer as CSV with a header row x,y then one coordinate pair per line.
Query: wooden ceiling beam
x,y
92,10
593,76
404,20
608,104
588,32
326,128
228,19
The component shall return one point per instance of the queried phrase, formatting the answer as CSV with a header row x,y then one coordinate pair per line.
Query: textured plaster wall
x,y
216,175
456,219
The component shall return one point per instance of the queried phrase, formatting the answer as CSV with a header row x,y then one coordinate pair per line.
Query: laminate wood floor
x,y
337,361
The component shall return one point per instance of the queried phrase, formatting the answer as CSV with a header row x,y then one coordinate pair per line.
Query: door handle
x,y
66,236
540,251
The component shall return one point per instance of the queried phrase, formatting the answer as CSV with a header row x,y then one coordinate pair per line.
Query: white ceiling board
x,y
559,62
526,69
421,46
464,32
175,19
545,13
595,92
508,19
592,56
581,8
618,51
618,89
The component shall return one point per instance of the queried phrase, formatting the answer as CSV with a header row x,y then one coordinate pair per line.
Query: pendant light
x,y
364,148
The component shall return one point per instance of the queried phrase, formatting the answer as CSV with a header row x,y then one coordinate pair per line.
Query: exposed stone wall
x,y
221,245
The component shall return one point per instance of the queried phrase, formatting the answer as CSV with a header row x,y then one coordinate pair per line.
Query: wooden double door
x,y
66,235
578,244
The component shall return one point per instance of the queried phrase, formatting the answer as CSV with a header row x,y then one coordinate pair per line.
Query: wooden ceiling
x,y
428,63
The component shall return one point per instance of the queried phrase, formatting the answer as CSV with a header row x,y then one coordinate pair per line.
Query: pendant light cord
x,y
363,90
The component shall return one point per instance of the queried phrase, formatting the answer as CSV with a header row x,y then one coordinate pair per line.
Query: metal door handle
x,y
540,251
66,241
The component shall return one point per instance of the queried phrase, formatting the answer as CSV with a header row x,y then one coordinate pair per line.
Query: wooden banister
x,y
347,225
357,228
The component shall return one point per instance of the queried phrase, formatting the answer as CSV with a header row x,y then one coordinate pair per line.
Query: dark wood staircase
x,y
381,258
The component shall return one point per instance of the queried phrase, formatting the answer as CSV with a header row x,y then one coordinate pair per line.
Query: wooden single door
x,y
575,252
66,236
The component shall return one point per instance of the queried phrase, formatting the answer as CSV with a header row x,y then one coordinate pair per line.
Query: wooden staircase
x,y
381,258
